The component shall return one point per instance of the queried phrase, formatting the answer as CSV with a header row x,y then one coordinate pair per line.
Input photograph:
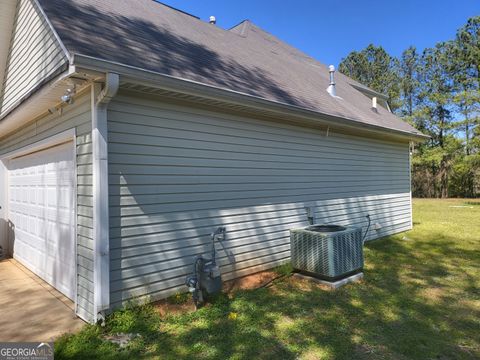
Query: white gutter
x,y
101,256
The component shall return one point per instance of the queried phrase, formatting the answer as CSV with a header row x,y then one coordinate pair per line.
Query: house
x,y
130,130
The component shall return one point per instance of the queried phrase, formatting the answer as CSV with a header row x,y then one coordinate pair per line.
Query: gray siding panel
x,y
76,116
176,173
34,56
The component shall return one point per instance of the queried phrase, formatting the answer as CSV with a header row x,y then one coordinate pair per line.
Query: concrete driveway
x,y
32,310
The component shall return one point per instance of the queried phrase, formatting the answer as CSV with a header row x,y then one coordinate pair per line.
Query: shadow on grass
x,y
417,302
475,203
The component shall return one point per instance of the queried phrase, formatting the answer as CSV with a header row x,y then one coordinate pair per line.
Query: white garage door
x,y
41,211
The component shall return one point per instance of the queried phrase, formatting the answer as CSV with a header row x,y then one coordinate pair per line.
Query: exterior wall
x,y
35,55
76,116
4,244
176,173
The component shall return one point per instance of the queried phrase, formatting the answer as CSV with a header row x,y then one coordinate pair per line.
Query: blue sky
x,y
329,30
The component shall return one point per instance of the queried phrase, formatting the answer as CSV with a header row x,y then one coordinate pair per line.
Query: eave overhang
x,y
85,69
201,92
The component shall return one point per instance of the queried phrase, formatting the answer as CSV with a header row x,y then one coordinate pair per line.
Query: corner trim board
x,y
101,256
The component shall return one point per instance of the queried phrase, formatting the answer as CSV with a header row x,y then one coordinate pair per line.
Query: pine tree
x,y
375,68
467,101
437,91
409,84
467,78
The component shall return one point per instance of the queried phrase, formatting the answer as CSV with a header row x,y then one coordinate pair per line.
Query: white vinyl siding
x,y
34,56
76,116
176,173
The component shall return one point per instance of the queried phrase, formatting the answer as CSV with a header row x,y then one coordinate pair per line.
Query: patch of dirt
x,y
367,351
164,307
249,282
312,354
470,350
306,283
285,323
434,294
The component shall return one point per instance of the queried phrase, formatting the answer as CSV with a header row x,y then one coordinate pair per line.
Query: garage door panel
x,y
27,239
21,209
59,197
41,180
59,216
30,256
25,224
41,198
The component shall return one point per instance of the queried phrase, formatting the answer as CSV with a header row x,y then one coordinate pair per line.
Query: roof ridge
x,y
238,24
298,53
174,8
243,28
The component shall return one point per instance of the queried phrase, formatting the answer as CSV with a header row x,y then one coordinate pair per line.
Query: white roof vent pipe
x,y
213,20
331,87
374,104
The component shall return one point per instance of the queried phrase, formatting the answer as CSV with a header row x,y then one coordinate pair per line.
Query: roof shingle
x,y
247,59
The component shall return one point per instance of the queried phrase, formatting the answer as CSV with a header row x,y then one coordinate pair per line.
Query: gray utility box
x,y
329,252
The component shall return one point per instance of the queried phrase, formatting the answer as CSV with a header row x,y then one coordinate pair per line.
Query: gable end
x,y
35,56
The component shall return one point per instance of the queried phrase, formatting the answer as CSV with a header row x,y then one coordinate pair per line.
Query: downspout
x,y
101,257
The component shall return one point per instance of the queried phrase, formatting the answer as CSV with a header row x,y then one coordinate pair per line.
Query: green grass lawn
x,y
420,299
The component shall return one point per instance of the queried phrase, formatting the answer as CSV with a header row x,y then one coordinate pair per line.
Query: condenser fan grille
x,y
326,228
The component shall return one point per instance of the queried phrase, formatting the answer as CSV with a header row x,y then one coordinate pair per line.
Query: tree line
x,y
437,90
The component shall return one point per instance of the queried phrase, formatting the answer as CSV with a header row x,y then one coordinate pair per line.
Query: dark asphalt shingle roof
x,y
247,59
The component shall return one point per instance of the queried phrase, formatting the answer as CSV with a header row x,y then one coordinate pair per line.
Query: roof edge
x,y
172,83
176,9
365,90
8,10
52,29
240,23
29,109
242,28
